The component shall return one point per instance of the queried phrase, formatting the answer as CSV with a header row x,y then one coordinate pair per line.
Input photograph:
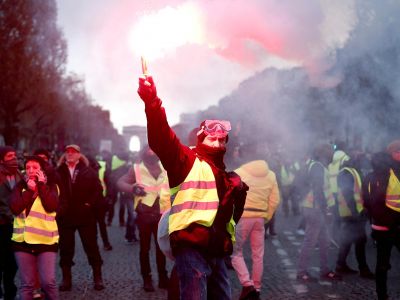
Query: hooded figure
x,y
261,203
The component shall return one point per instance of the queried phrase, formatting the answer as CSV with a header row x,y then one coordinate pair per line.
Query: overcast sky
x,y
198,51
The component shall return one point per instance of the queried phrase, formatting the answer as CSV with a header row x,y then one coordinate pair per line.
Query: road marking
x,y
292,273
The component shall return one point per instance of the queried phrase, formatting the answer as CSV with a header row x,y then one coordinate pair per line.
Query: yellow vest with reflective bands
x,y
344,210
39,227
196,200
309,199
393,192
155,188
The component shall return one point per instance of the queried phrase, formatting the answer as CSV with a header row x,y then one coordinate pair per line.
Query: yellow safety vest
x,y
287,176
344,210
155,188
39,227
116,162
393,192
196,200
165,197
101,176
309,199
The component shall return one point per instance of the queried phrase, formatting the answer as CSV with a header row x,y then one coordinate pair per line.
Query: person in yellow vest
x,y
147,181
339,158
34,203
381,191
353,219
207,201
288,171
317,209
261,203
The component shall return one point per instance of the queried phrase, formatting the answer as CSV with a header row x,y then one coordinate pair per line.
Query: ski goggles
x,y
218,128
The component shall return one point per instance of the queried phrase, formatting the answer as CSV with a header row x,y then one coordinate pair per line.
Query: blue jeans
x,y
30,266
201,277
131,222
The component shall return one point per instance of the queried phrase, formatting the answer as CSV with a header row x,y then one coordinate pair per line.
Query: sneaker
x,y
305,277
345,270
248,292
331,276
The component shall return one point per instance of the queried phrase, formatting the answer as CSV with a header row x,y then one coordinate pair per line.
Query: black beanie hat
x,y
4,150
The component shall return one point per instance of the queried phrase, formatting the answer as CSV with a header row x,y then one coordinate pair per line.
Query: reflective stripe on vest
x,y
344,210
195,200
153,187
309,199
102,171
393,192
39,227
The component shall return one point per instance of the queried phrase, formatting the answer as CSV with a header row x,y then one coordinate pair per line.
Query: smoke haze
x,y
339,58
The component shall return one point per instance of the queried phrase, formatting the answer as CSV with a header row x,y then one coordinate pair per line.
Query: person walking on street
x,y
353,220
9,176
79,186
261,203
101,203
206,200
35,235
317,207
381,192
145,181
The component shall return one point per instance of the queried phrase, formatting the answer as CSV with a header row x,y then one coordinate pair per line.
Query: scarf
x,y
214,156
10,167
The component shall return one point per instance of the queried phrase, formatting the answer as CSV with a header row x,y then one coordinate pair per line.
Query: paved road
x,y
123,281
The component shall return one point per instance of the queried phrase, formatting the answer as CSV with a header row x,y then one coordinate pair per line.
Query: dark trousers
x,y
123,208
8,265
148,226
352,233
270,226
101,221
385,240
288,195
88,235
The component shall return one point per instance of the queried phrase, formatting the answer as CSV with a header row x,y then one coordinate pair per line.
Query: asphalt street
x,y
122,278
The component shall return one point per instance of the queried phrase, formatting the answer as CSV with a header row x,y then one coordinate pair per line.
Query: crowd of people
x,y
210,210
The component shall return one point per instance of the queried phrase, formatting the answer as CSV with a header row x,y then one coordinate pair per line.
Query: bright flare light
x,y
163,31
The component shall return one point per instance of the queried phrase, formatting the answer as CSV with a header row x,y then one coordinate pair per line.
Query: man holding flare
x,y
207,201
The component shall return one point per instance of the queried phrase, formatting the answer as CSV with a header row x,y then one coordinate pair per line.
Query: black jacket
x,y
374,195
78,195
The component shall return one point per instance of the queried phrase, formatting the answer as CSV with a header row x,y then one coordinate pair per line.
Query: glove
x,y
147,89
138,190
